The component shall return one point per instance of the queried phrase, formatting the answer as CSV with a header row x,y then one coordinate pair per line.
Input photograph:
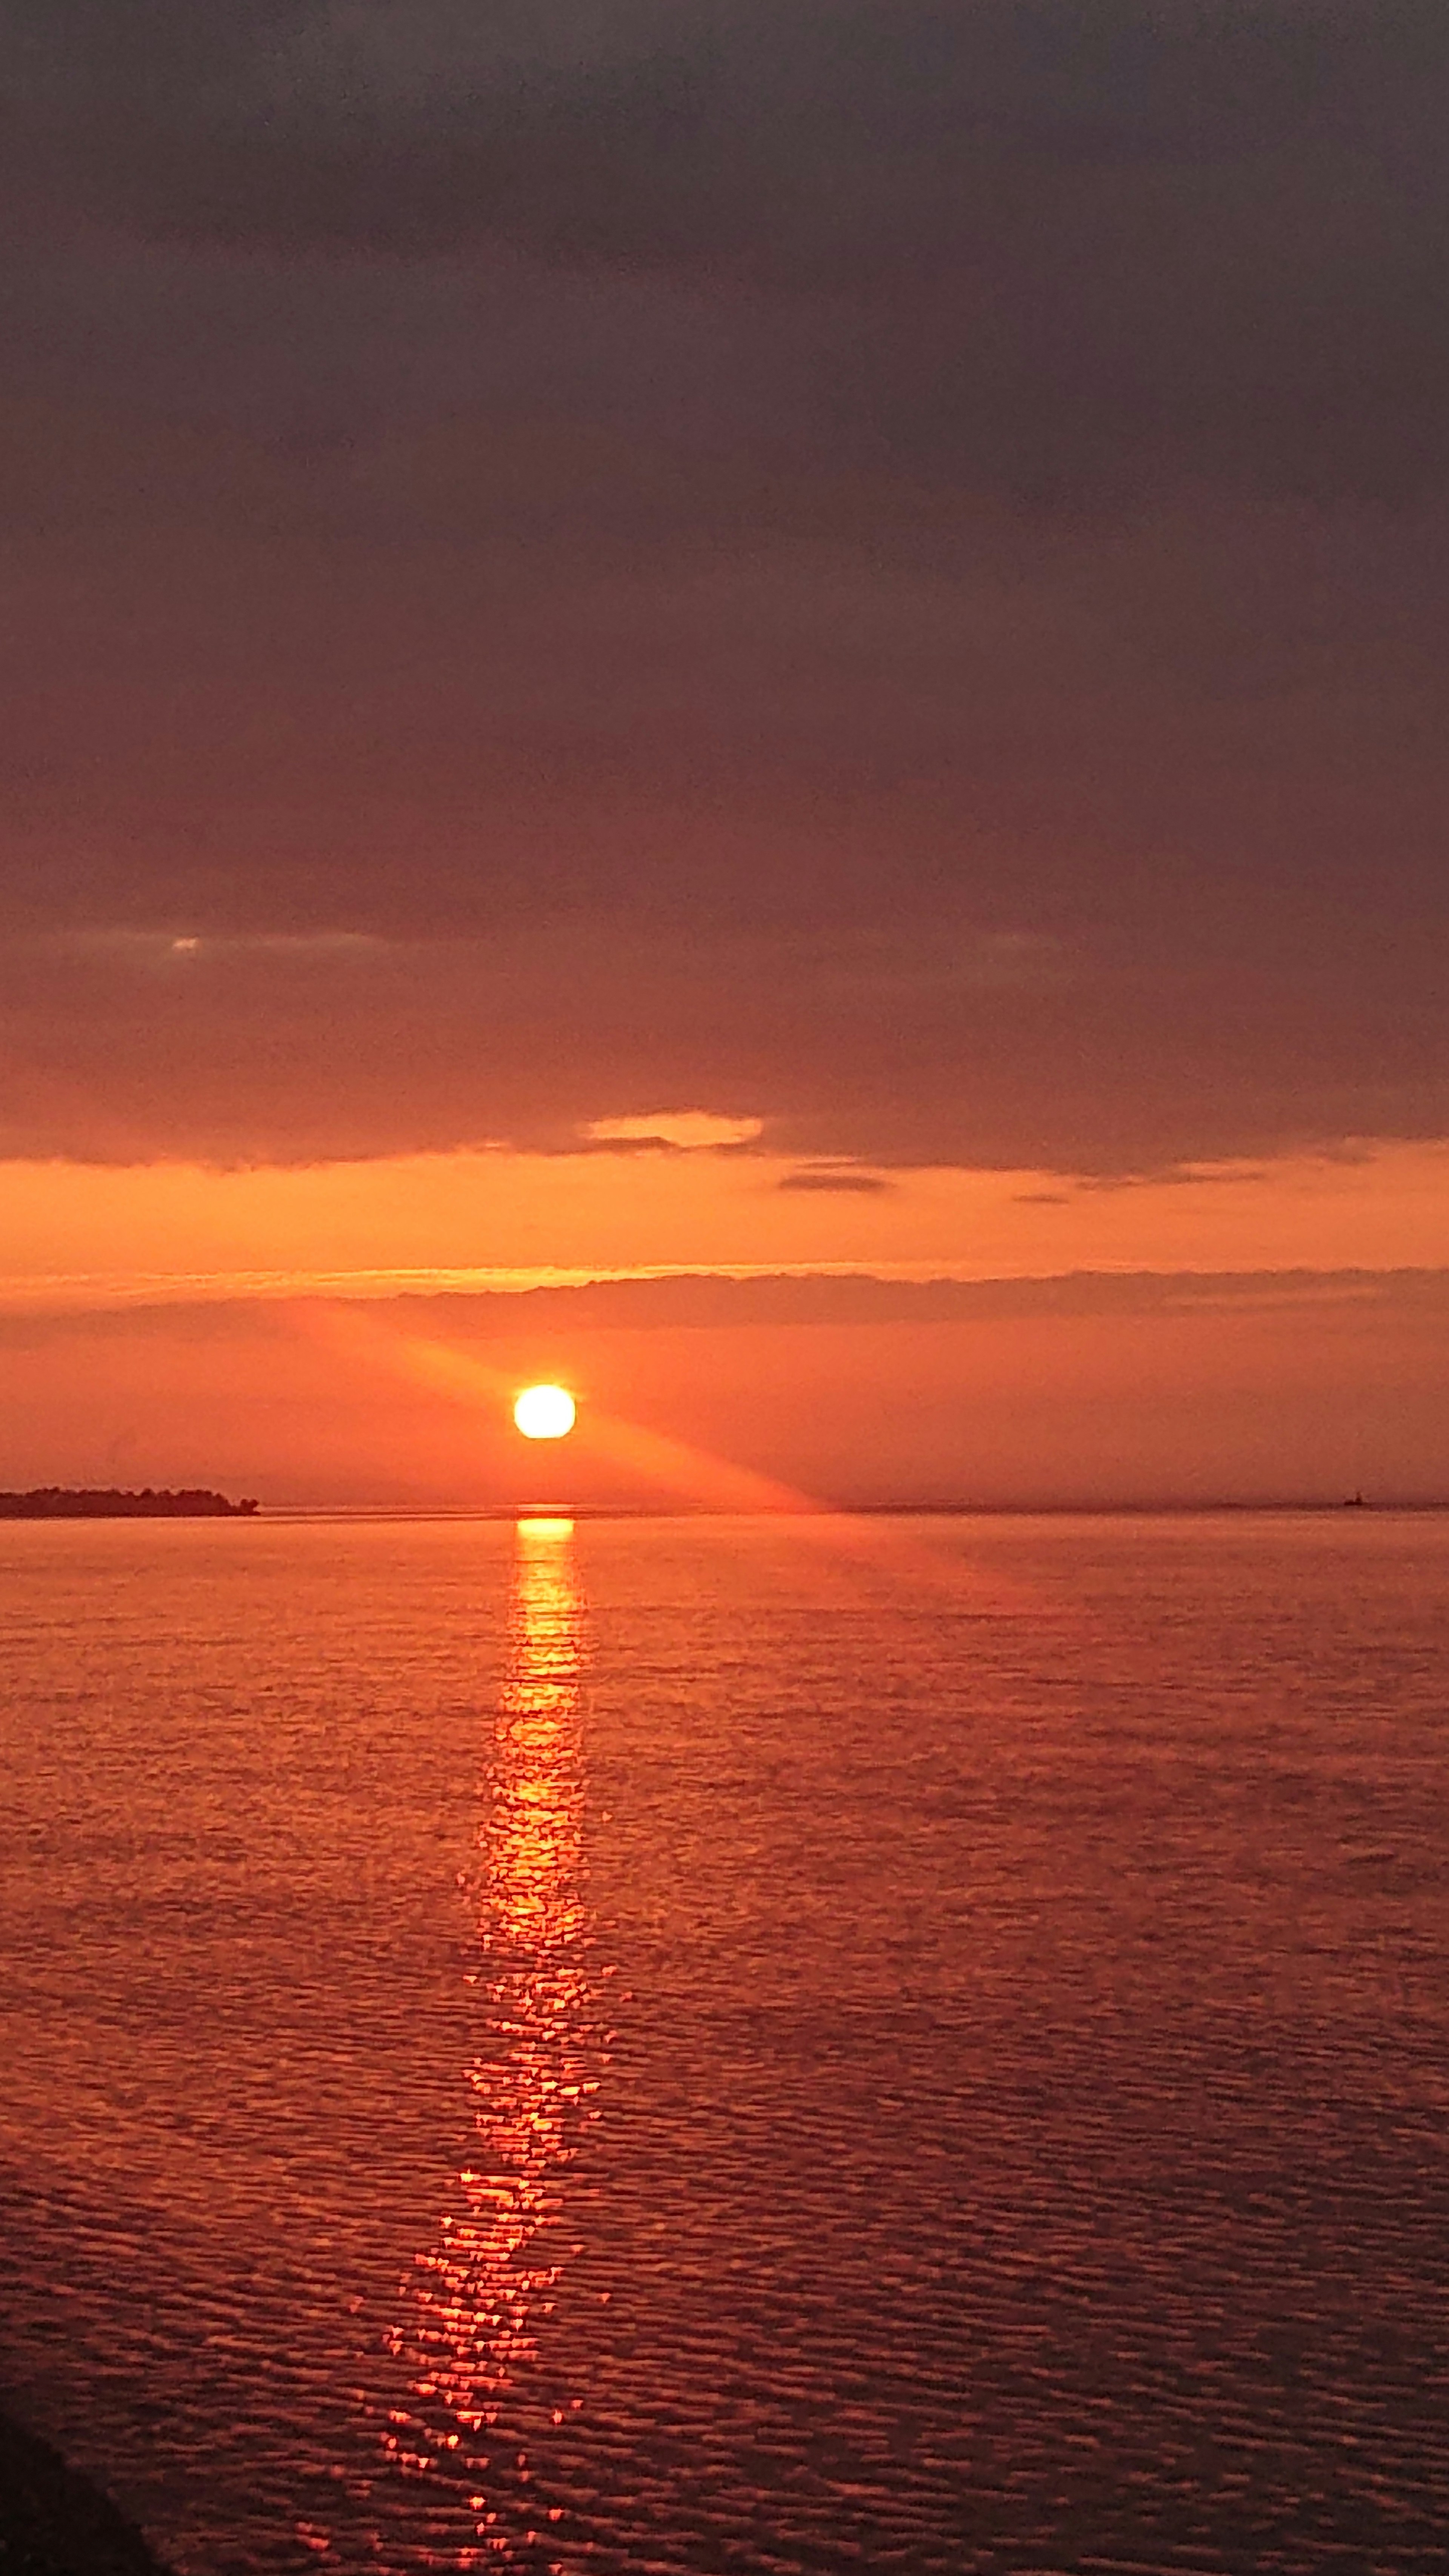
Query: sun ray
x,y
696,1479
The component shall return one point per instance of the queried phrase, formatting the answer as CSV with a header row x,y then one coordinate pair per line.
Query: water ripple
x,y
657,2049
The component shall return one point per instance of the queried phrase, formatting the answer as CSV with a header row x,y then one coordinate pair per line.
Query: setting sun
x,y
545,1412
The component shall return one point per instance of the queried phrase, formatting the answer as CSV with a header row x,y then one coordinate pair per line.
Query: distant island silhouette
x,y
68,1503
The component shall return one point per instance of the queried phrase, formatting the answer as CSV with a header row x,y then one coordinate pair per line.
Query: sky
x,y
657,643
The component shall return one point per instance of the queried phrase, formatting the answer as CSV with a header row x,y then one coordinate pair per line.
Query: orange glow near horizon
x,y
691,1475
1293,1385
95,1235
699,1479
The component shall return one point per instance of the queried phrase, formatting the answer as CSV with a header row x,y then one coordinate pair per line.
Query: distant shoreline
x,y
61,1503
558,1508
110,1503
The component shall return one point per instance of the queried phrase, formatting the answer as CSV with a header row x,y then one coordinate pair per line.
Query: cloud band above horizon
x,y
876,572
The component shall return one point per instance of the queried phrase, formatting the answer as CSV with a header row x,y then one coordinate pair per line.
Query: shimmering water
x,y
717,2046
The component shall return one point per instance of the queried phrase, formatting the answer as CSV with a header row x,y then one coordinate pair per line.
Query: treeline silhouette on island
x,y
72,1503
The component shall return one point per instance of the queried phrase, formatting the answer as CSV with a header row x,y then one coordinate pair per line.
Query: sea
x,y
704,2047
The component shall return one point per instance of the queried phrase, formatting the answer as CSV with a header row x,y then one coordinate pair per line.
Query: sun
x,y
545,1412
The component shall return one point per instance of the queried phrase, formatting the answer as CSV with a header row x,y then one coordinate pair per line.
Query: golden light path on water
x,y
477,2394
478,2295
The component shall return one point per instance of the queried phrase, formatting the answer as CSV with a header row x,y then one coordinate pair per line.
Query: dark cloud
x,y
710,1300
1072,236
843,1177
714,1301
879,569
1176,1177
291,1050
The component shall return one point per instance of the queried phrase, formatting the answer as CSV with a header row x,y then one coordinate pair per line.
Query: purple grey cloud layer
x,y
879,569
712,1301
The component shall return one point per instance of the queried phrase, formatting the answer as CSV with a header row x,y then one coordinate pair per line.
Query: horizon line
x,y
555,1507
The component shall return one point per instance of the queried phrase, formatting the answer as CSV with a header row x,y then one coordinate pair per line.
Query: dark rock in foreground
x,y
64,1503
53,2522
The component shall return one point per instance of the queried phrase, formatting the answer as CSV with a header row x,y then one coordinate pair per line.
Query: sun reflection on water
x,y
469,2336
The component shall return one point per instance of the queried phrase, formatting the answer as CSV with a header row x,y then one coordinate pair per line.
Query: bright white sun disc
x,y
545,1412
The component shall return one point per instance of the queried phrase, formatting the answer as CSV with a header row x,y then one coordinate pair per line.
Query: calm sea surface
x,y
720,2046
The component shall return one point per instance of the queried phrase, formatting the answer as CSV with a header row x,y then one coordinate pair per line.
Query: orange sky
x,y
97,1234
889,633
1280,1391
168,1324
